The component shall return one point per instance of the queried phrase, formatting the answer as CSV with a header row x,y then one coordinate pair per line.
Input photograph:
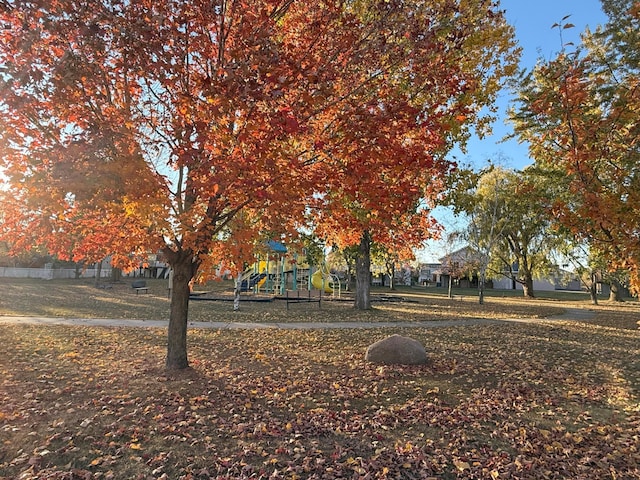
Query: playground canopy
x,y
276,246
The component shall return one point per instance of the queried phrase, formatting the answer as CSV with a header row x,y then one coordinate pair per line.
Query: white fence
x,y
51,273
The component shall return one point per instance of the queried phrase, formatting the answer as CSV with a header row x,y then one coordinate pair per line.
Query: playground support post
x,y
295,272
283,280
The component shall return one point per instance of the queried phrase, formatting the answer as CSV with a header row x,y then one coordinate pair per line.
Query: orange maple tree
x,y
192,127
389,165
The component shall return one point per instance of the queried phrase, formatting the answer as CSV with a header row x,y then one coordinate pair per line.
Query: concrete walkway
x,y
570,314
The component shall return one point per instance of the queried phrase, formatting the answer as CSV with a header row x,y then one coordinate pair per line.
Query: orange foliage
x,y
590,136
169,119
134,126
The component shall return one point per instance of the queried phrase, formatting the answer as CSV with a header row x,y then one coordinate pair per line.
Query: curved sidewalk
x,y
571,314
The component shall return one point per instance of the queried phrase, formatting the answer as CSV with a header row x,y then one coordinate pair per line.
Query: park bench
x,y
304,299
140,286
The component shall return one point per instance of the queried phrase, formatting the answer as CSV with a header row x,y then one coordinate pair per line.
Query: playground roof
x,y
276,246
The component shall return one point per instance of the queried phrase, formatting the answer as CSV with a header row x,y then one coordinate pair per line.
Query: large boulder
x,y
396,350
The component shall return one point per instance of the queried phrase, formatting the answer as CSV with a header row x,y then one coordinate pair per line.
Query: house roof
x,y
462,254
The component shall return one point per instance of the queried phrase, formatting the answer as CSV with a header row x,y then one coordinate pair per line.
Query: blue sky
x,y
532,20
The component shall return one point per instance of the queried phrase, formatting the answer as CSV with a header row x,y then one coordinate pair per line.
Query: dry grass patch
x,y
501,401
80,299
554,399
617,315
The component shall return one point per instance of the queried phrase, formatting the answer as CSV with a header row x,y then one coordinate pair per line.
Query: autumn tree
x,y
387,154
509,225
481,197
528,238
579,112
131,127
313,250
457,261
390,256
506,224
582,260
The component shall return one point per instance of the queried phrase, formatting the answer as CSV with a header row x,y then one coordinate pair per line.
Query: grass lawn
x,y
544,399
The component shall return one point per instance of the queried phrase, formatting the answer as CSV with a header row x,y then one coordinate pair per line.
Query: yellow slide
x,y
322,279
262,267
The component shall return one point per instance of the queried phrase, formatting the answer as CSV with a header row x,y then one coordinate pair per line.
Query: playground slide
x,y
319,278
251,280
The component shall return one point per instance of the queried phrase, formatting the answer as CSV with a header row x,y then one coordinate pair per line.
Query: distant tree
x,y
481,197
509,227
313,249
529,242
577,255
344,258
390,257
579,113
615,280
488,220
454,263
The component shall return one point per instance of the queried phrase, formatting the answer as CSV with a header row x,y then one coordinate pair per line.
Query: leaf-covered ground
x,y
547,399
501,401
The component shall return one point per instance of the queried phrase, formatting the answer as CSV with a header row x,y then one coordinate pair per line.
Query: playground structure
x,y
324,280
277,272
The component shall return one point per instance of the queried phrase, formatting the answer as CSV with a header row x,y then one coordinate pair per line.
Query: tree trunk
x,y
527,285
116,275
98,273
236,291
615,295
481,282
363,273
348,259
593,289
184,269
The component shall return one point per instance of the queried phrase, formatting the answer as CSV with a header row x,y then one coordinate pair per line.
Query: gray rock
x,y
396,350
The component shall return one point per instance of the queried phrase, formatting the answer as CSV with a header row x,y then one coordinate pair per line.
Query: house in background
x,y
429,274
401,276
560,280
460,267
